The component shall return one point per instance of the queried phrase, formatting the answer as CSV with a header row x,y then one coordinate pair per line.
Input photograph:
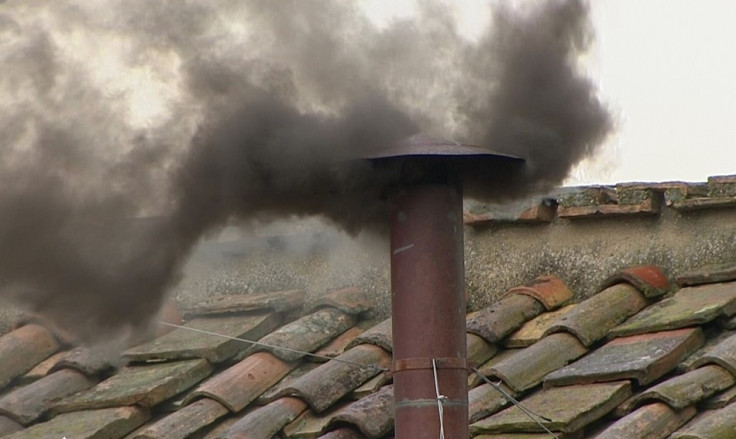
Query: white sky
x,y
667,69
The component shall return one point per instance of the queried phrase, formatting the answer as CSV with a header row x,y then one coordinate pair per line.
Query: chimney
x,y
428,281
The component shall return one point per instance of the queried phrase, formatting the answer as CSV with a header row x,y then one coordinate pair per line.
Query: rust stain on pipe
x,y
429,310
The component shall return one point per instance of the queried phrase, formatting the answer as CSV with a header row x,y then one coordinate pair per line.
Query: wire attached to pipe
x,y
440,399
531,414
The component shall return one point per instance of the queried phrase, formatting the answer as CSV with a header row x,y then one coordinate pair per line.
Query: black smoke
x,y
130,128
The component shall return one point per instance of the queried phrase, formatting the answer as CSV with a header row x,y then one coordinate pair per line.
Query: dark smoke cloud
x,y
263,105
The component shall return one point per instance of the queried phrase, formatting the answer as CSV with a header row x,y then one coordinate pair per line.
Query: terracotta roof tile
x,y
568,409
145,385
8,426
649,279
373,385
85,360
342,433
528,367
113,422
479,351
642,357
720,400
241,384
305,334
266,421
185,422
329,382
689,306
533,330
281,301
348,300
688,389
706,275
549,290
722,354
505,316
485,368
712,424
591,319
183,344
27,404
22,349
309,424
338,344
275,392
43,368
654,421
485,400
373,415
379,335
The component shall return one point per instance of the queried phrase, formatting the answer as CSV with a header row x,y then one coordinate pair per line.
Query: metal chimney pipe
x,y
428,278
428,302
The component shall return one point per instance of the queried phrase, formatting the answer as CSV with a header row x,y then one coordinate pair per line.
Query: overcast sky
x,y
667,68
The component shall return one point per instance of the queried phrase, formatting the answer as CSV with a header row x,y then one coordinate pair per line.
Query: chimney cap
x,y
425,145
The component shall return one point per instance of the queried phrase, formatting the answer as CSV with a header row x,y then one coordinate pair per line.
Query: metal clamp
x,y
426,363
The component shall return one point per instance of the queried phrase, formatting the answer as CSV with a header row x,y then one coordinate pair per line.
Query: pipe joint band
x,y
426,363
422,403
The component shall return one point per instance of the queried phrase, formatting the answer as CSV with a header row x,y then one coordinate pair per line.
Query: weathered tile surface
x,y
342,433
22,349
649,279
591,319
549,290
505,316
211,345
28,403
653,421
338,344
43,368
185,422
690,388
373,415
86,360
89,424
305,334
379,335
688,307
281,301
310,425
641,357
720,400
529,366
266,421
533,330
348,300
707,275
242,383
143,385
8,426
568,409
485,400
723,354
713,424
326,384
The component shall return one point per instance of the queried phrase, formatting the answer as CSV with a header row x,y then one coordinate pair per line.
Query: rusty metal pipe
x,y
428,300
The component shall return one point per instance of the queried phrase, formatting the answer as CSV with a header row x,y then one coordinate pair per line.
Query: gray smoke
x,y
192,114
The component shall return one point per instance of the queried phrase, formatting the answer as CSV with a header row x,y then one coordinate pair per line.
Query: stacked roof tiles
x,y
647,199
645,357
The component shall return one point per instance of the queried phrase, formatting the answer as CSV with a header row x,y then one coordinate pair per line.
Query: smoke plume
x,y
130,128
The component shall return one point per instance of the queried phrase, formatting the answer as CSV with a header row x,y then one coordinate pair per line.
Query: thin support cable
x,y
270,346
531,414
440,399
